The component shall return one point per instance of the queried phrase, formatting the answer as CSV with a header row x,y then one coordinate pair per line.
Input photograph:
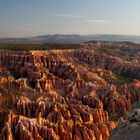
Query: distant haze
x,y
71,38
25,18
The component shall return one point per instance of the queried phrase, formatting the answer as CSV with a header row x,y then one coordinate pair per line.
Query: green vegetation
x,y
114,116
122,80
112,52
47,46
130,43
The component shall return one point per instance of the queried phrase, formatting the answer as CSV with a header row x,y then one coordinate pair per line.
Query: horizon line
x,y
69,34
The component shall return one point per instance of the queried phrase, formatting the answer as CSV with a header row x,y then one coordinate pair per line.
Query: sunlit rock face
x,y
64,94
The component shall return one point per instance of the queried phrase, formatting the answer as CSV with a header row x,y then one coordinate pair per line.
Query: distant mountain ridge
x,y
71,38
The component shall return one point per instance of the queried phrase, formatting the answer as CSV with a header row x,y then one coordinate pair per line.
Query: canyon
x,y
68,94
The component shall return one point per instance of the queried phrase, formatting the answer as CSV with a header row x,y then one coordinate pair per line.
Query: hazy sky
x,y
20,18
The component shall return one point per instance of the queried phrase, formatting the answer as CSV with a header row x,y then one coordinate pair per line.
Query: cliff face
x,y
130,128
115,64
63,94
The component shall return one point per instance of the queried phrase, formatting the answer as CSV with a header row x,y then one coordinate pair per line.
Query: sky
x,y
24,18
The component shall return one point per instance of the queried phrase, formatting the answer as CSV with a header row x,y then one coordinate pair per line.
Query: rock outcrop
x,y
64,94
129,129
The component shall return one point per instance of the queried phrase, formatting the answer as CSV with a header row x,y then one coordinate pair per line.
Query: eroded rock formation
x,y
63,94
